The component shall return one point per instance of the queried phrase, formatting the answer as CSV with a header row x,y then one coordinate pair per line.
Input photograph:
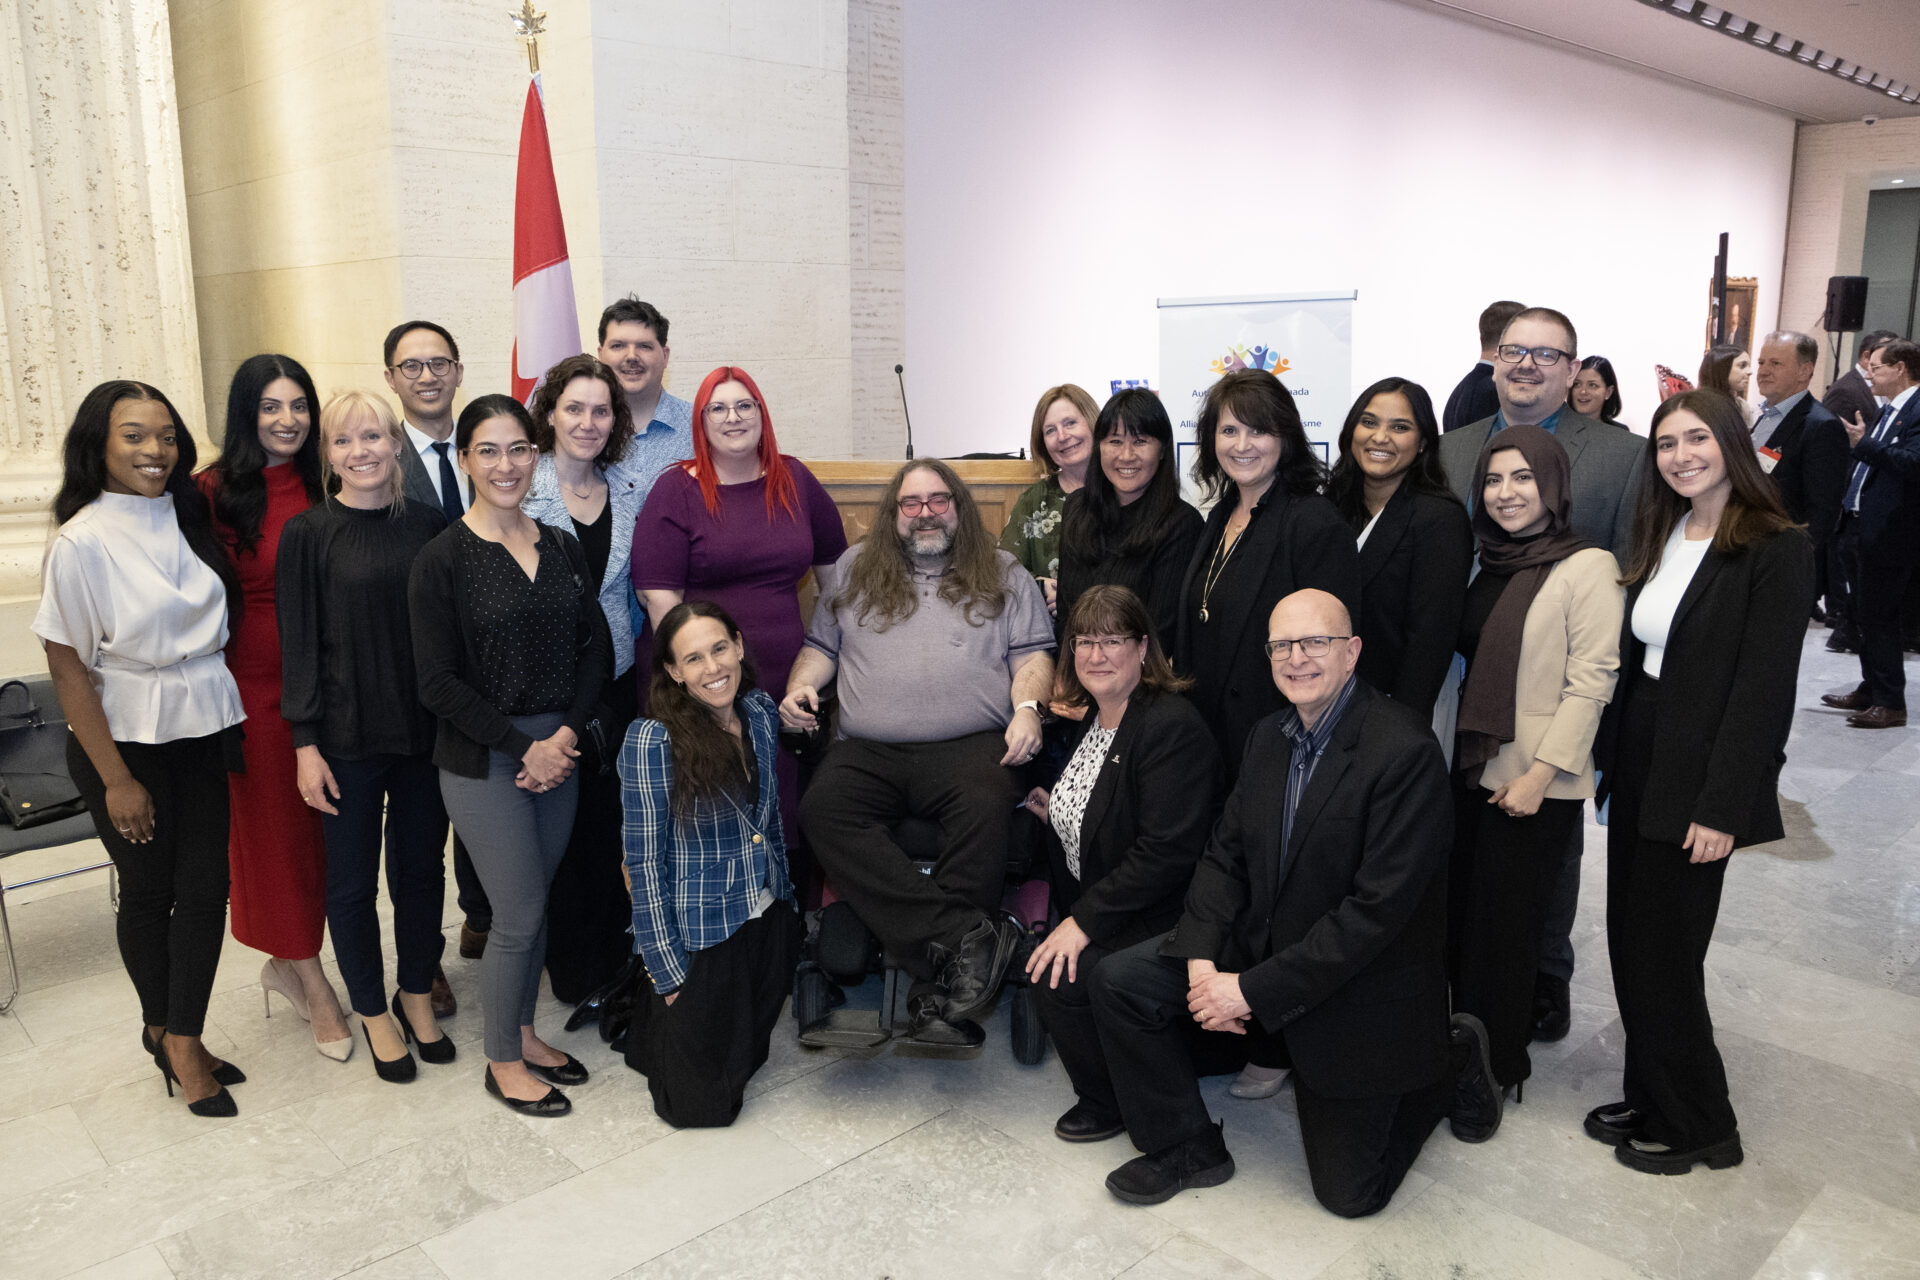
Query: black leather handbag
x,y
34,784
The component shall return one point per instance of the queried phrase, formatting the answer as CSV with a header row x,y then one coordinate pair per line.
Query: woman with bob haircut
x,y
1062,443
267,473
134,606
1128,526
1596,391
1416,547
714,915
1717,593
1128,817
362,741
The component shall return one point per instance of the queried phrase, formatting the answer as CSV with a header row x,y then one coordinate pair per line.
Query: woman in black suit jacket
x,y
1270,534
1416,545
1718,591
1128,818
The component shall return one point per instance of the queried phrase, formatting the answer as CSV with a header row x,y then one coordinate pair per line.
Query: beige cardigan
x,y
1569,660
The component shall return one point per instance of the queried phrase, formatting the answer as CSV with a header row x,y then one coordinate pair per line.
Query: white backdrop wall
x,y
1069,162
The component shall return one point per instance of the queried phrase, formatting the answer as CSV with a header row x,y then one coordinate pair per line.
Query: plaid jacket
x,y
695,880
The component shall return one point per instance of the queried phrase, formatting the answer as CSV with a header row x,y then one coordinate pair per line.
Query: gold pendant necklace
x,y
1221,555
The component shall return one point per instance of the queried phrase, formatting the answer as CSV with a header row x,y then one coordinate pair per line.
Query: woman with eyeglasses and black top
x,y
1717,594
361,741
1128,817
1541,636
134,611
511,652
1416,547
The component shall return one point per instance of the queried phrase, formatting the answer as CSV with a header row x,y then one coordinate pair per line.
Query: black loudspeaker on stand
x,y
1846,304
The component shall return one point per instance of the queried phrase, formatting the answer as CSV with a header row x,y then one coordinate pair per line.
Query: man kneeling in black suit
x,y
1317,920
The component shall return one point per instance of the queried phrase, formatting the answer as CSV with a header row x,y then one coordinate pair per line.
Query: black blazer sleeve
x,y
593,643
440,651
1442,559
1825,466
1167,572
1171,768
296,598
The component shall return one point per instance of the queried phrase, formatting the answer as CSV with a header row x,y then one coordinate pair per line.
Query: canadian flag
x,y
546,328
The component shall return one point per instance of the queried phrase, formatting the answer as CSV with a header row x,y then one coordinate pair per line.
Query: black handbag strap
x,y
31,714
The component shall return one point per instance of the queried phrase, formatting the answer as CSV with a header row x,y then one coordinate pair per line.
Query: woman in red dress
x,y
267,473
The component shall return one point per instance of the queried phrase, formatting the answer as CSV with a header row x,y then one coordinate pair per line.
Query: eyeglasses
x,y
1545,357
744,410
1311,646
938,503
489,455
1111,646
412,369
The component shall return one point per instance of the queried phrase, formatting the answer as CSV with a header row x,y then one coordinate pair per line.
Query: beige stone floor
x,y
886,1165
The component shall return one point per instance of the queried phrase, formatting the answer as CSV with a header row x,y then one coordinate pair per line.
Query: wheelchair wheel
x,y
843,946
1029,1033
813,994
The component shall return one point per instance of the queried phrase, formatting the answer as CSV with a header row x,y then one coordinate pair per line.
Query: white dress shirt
x,y
423,444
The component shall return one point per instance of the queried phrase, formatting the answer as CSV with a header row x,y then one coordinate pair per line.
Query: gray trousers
x,y
516,839
1562,905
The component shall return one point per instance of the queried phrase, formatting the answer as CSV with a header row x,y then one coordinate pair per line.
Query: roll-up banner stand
x,y
1304,339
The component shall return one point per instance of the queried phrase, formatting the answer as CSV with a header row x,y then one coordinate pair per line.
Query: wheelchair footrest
x,y
846,1029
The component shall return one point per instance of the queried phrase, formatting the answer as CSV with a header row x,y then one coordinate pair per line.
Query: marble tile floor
x,y
881,1164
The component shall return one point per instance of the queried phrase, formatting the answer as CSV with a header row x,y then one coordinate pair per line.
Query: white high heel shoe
x,y
288,984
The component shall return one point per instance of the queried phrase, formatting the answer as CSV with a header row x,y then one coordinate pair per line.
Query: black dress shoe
x,y
1082,1123
1843,642
438,1052
972,976
1857,700
1614,1123
1198,1162
223,1072
1657,1157
1477,1101
927,1027
395,1071
1552,1008
572,1071
553,1103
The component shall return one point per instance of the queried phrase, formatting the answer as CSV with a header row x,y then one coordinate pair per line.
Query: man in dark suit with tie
x,y
1474,398
1880,536
1801,445
1851,395
1315,922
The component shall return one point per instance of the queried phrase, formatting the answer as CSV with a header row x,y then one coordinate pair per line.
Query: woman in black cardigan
x,y
1270,534
1718,590
1416,545
1128,815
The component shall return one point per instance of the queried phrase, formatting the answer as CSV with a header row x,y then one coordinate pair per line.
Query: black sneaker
x,y
1614,1122
972,973
1202,1161
1083,1123
1476,1098
926,1027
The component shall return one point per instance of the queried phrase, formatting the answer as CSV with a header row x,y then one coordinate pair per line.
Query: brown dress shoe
x,y
444,1005
473,942
1879,718
1854,701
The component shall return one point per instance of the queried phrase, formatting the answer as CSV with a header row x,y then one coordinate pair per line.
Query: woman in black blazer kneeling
x,y
1416,546
1129,816
1719,585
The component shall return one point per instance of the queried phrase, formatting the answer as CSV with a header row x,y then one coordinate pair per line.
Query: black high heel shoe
x,y
223,1072
438,1052
394,1071
220,1106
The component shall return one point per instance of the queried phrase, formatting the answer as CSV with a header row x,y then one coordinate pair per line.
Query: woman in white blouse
x,y
1129,814
134,618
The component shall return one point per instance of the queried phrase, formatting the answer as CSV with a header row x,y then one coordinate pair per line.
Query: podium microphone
x,y
903,409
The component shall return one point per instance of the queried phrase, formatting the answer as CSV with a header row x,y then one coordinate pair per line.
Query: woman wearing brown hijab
x,y
1541,637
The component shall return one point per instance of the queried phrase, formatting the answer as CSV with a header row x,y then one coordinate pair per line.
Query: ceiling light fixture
x,y
1779,42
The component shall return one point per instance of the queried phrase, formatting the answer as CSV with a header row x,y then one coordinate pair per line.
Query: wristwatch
x,y
1031,704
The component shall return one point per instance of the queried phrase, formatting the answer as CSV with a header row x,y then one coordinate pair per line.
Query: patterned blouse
x,y
1068,803
1032,535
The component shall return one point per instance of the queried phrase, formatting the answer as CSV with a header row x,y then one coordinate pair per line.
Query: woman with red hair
x,y
739,524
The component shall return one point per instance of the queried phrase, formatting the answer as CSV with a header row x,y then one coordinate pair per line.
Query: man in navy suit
x,y
1880,536
1475,397
1804,447
1850,395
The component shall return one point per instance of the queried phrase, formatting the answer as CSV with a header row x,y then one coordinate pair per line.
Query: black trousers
x,y
588,908
405,792
1504,872
699,1052
863,789
173,889
1660,915
470,893
1880,598
1358,1149
1067,1011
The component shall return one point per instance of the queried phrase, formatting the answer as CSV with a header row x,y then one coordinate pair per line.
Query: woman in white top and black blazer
x,y
1718,590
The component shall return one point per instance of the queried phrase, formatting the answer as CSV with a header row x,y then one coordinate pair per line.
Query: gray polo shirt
x,y
932,676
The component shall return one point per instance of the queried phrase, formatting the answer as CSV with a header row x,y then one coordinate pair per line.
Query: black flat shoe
x,y
1198,1162
397,1071
572,1071
223,1072
1082,1123
438,1052
554,1103
1614,1123
1657,1157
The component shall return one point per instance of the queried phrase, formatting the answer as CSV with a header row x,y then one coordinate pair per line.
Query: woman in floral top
x,y
1063,442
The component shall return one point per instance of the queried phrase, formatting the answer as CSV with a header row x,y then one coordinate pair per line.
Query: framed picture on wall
x,y
1743,293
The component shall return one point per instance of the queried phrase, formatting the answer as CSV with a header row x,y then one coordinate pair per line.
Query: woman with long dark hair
x,y
134,615
1129,527
1728,369
267,473
1416,548
714,915
1717,594
1062,443
1596,391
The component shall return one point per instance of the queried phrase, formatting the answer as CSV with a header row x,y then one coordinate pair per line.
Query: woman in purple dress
x,y
739,524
